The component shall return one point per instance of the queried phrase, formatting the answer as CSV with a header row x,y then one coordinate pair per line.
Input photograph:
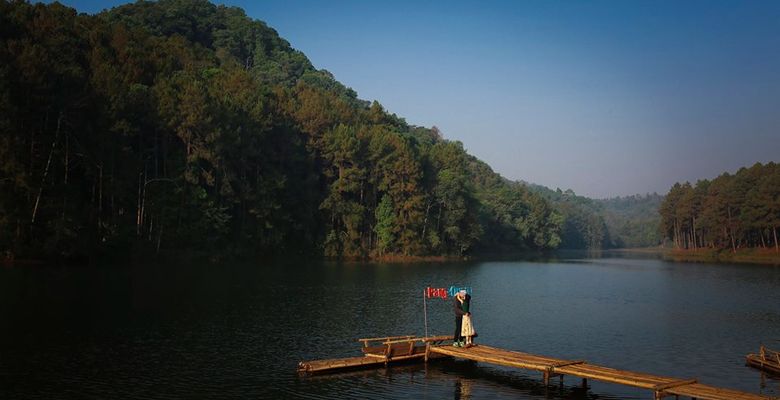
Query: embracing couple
x,y
464,329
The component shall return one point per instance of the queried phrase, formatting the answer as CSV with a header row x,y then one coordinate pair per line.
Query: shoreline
x,y
764,256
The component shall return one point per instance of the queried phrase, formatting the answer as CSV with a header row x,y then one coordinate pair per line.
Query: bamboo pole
x,y
425,312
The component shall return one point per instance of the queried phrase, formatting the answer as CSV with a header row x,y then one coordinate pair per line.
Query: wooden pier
x,y
386,350
553,367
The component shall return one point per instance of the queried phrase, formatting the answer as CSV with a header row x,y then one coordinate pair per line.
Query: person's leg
x,y
456,338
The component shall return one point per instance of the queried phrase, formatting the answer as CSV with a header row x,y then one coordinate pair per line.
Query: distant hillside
x,y
631,221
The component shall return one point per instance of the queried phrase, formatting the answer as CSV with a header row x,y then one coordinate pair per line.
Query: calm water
x,y
238,331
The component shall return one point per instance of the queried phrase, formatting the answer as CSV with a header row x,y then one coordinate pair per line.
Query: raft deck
x,y
766,360
376,352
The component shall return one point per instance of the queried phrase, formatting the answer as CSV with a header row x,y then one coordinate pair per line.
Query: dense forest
x,y
618,222
633,221
180,125
730,211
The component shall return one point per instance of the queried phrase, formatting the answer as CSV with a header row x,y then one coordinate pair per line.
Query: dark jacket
x,y
458,308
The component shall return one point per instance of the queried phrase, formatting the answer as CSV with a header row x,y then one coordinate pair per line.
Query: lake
x,y
238,330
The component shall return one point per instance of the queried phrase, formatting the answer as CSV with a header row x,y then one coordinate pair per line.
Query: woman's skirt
x,y
467,328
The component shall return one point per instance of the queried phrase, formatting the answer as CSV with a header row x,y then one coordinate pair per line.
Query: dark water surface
x,y
238,331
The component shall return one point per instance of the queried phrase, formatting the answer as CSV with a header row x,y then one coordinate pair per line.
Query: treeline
x,y
633,221
593,224
182,125
730,211
583,221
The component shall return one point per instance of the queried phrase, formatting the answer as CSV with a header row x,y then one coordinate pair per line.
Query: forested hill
x,y
633,221
181,125
618,222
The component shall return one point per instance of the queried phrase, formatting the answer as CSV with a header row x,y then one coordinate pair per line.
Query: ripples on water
x,y
238,331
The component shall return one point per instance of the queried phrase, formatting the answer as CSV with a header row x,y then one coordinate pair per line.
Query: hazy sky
x,y
604,97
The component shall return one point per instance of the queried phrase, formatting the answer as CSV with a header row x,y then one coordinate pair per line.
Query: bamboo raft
x,y
385,350
378,351
766,360
554,367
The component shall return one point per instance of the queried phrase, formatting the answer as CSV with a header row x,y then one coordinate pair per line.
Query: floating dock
x,y
766,360
378,351
385,350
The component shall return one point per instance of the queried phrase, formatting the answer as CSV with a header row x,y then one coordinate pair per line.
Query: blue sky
x,y
604,97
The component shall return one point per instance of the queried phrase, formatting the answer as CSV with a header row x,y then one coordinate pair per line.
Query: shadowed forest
x,y
182,125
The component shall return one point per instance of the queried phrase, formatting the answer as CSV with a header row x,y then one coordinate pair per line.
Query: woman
x,y
467,327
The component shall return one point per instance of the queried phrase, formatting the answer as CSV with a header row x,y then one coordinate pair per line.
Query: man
x,y
461,298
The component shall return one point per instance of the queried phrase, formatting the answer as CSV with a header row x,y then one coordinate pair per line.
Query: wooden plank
x,y
418,339
384,338
598,369
351,362
510,362
663,386
701,391
606,375
408,340
398,348
567,363
440,338
339,363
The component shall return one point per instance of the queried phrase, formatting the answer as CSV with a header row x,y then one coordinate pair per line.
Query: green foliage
x,y
180,124
632,221
385,222
582,219
619,222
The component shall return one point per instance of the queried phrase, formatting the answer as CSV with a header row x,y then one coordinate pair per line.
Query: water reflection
x,y
463,389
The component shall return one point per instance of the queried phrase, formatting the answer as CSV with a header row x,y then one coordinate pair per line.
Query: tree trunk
x,y
100,196
159,238
425,221
731,233
138,207
774,232
46,170
67,158
733,244
143,207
